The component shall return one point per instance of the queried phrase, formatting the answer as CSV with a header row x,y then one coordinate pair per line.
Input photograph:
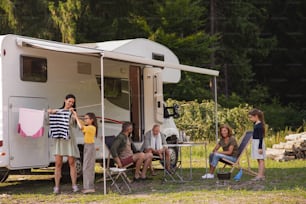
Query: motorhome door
x,y
135,98
153,96
26,152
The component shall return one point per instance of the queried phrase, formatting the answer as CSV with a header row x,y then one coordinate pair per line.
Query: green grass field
x,y
285,183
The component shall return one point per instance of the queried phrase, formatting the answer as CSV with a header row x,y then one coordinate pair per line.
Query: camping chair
x,y
114,173
242,147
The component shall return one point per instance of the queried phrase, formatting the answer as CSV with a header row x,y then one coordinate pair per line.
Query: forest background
x,y
258,47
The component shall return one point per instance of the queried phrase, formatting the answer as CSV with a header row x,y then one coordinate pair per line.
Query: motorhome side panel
x,y
3,145
21,152
64,75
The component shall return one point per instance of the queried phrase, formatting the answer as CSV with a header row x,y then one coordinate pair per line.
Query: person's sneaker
x,y
208,176
88,191
56,190
75,189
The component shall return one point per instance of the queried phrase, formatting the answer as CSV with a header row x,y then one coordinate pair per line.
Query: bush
x,y
198,119
280,117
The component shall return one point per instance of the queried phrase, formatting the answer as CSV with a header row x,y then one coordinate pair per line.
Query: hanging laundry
x,y
31,122
59,124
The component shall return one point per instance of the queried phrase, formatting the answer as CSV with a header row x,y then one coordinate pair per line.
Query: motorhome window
x,y
112,87
159,57
33,69
84,68
116,90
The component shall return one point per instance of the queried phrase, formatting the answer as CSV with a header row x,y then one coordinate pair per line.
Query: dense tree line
x,y
258,46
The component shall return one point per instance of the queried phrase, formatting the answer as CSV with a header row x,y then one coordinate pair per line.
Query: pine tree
x,y
65,16
8,22
241,25
180,25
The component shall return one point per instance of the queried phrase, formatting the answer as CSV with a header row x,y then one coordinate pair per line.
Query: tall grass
x,y
275,138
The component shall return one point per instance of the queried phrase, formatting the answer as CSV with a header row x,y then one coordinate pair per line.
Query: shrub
x,y
280,117
197,119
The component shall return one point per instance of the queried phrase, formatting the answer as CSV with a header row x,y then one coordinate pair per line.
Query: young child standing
x,y
89,156
258,145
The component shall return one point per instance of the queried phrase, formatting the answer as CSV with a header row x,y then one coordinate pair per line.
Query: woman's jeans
x,y
215,157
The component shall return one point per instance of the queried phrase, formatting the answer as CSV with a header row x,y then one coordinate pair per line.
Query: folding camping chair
x,y
242,148
114,173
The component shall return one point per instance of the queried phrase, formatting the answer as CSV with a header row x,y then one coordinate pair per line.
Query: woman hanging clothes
x,y
61,122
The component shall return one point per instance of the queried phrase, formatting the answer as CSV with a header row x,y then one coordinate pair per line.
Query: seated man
x,y
153,143
122,152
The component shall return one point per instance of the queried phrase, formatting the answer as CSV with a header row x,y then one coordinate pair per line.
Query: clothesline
x,y
16,109
87,106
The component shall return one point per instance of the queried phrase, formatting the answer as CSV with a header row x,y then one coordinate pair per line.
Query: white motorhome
x,y
37,74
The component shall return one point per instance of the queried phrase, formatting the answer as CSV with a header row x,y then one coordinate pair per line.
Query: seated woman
x,y
230,150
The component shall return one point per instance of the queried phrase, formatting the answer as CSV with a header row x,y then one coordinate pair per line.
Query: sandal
x,y
258,178
145,178
136,179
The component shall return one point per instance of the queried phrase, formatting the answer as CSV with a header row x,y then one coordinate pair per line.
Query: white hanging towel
x,y
156,141
31,122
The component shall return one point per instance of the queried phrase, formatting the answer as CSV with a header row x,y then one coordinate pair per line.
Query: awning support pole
x,y
102,114
216,107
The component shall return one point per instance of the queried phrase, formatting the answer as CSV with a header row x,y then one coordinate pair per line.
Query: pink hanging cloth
x,y
31,122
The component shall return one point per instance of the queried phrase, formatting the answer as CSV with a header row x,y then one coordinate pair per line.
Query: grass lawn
x,y
285,183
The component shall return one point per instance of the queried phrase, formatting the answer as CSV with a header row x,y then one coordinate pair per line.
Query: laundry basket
x,y
223,178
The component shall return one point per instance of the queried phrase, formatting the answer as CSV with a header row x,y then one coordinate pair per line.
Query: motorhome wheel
x,y
66,170
173,157
79,167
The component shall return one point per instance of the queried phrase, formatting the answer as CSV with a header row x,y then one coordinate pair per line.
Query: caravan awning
x,y
157,63
61,47
56,46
